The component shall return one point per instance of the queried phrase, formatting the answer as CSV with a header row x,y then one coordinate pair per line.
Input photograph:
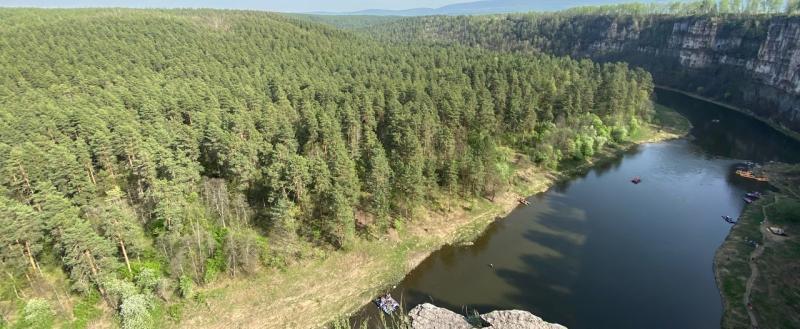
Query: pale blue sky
x,y
271,5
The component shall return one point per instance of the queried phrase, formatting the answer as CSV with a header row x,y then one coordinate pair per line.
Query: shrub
x,y
147,279
619,134
135,312
119,290
185,286
37,314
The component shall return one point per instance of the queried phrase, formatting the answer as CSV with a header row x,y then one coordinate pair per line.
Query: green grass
x,y
785,212
776,290
671,120
776,294
733,267
84,312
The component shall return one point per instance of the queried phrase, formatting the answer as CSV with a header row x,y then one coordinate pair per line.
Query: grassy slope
x,y
775,295
316,292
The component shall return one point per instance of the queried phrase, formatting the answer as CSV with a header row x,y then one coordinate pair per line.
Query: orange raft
x,y
749,174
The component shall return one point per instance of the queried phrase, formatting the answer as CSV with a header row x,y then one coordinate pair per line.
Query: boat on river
x,y
748,200
636,180
750,175
777,231
753,195
524,202
729,219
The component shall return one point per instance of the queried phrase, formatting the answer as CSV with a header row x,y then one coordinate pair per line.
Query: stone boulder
x,y
428,316
517,320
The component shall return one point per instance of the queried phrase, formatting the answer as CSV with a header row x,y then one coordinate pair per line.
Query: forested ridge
x,y
144,152
741,53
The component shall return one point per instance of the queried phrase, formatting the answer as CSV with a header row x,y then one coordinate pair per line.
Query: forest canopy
x,y
144,152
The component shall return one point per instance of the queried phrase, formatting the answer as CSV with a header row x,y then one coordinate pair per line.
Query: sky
x,y
271,5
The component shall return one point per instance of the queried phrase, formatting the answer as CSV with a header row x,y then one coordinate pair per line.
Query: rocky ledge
x,y
428,316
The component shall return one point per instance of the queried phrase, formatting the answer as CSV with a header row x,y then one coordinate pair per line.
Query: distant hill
x,y
350,22
483,7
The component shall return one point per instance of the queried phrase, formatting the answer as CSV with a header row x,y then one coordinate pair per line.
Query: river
x,y
600,252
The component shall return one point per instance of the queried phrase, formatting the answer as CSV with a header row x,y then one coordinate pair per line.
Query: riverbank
x,y
759,283
786,131
315,292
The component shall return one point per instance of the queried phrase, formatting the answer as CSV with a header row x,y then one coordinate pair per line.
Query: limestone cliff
x,y
749,63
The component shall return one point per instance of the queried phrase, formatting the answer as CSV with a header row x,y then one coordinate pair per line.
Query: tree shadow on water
x,y
551,269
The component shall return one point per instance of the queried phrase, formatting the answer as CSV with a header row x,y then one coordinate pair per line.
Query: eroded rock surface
x,y
517,320
428,316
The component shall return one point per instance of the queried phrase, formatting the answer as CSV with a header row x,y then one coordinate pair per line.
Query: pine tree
x,y
118,222
21,235
86,255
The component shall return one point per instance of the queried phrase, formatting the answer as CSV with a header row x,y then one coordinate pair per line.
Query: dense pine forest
x,y
736,52
147,152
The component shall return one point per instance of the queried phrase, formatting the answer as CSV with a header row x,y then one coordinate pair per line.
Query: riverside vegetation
x,y
149,158
773,294
614,33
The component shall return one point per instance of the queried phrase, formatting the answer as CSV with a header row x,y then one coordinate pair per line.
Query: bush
x,y
37,314
185,286
135,312
619,134
148,279
119,290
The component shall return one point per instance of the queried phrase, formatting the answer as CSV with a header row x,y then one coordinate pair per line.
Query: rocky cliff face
x,y
428,316
752,63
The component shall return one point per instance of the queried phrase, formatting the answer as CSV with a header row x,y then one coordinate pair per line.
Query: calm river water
x,y
600,252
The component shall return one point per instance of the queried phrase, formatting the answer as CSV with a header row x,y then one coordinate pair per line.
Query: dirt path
x,y
753,275
753,267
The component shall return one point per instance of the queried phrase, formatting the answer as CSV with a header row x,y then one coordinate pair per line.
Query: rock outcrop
x,y
517,320
428,316
752,63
